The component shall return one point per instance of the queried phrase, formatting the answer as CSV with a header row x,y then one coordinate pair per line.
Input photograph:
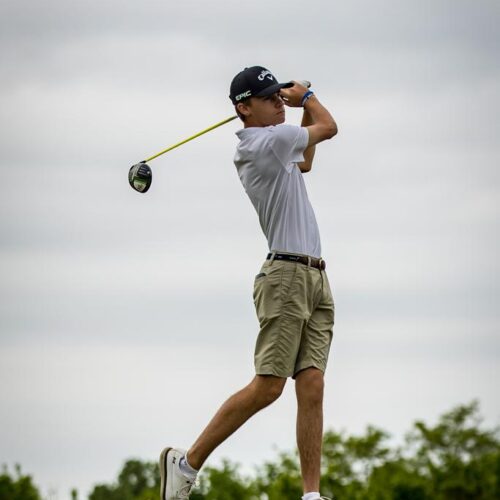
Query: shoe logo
x,y
265,73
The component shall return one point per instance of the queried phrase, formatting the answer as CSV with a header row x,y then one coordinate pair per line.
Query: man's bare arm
x,y
317,119
306,165
324,126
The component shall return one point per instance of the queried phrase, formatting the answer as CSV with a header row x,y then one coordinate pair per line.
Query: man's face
x,y
265,111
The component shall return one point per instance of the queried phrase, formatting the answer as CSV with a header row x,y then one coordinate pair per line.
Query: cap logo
x,y
265,73
244,95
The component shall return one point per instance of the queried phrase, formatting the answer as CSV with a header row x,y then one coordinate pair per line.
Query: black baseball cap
x,y
254,82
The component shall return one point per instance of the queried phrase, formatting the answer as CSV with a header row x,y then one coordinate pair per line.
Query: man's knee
x,y
309,386
268,388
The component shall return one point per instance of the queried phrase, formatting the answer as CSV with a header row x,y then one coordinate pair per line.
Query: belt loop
x,y
308,261
273,254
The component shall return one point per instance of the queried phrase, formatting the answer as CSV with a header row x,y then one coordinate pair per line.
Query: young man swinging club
x,y
292,295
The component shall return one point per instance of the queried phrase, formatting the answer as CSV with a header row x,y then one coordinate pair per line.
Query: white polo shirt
x,y
266,160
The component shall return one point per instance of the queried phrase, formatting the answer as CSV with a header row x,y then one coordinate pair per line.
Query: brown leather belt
x,y
301,259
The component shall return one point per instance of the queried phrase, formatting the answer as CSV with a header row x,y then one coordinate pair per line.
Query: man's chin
x,y
281,118
277,120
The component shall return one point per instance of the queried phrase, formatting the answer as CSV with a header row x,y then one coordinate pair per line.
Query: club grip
x,y
304,83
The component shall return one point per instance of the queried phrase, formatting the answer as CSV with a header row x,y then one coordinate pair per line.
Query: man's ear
x,y
243,109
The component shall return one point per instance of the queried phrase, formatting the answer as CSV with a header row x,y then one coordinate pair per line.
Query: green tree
x,y
17,487
280,479
395,479
136,481
454,460
223,484
459,459
348,461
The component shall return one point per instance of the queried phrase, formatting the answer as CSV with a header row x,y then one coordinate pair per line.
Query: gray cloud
x,y
388,20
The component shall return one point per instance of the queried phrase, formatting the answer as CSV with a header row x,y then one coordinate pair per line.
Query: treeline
x,y
454,460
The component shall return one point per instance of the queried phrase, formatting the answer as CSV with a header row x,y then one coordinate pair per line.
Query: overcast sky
x,y
127,319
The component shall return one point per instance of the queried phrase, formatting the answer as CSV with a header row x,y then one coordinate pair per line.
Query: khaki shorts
x,y
295,309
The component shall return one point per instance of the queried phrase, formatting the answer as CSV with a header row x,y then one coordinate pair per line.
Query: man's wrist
x,y
306,97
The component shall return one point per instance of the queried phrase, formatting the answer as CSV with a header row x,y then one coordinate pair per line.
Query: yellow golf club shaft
x,y
190,138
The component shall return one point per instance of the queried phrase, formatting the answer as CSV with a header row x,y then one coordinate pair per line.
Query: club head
x,y
140,177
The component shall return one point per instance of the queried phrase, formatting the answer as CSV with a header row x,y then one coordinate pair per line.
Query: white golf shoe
x,y
174,484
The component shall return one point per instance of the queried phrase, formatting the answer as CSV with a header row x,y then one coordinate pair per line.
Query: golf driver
x,y
140,175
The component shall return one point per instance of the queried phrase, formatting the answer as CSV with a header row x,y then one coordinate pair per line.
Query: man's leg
x,y
309,386
262,391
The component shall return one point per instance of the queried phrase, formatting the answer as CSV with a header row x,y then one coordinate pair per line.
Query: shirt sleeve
x,y
288,143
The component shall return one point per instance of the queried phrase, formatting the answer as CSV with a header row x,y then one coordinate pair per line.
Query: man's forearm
x,y
306,165
306,118
316,118
318,114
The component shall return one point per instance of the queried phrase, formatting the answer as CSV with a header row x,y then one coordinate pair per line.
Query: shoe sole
x,y
163,472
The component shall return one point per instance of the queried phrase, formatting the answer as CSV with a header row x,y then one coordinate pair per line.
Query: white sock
x,y
313,495
186,469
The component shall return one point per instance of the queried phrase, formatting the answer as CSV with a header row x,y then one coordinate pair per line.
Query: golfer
x,y
292,295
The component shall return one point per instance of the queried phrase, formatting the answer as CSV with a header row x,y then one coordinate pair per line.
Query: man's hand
x,y
292,96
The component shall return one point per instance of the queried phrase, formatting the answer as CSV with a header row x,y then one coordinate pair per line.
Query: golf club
x,y
140,175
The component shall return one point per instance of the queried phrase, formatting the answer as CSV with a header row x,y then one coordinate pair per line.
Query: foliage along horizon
x,y
456,459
